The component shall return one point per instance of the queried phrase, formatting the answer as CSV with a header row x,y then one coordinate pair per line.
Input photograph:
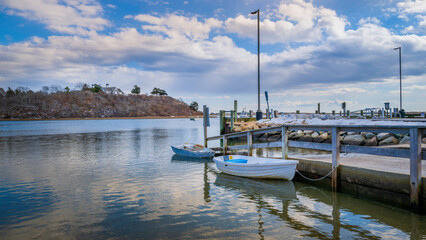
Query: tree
x,y
96,88
10,92
194,106
79,86
158,91
54,88
45,89
85,87
67,89
136,89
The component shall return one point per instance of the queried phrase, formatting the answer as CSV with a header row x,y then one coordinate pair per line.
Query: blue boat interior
x,y
236,160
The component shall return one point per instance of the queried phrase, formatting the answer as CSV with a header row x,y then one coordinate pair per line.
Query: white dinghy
x,y
255,167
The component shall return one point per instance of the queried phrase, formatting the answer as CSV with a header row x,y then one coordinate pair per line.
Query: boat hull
x,y
257,167
191,154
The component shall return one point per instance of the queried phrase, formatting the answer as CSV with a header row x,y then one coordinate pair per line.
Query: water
x,y
119,179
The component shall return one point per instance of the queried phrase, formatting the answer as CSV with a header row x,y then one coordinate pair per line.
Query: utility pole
x,y
259,114
400,77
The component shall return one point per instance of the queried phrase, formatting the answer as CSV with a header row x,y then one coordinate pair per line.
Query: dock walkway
x,y
389,174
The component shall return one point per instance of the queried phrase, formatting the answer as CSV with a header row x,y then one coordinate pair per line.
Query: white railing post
x,y
415,167
284,139
335,142
250,143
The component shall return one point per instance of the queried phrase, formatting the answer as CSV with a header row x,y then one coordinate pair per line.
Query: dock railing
x,y
415,153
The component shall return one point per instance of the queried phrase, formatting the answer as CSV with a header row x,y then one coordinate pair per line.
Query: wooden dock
x,y
381,182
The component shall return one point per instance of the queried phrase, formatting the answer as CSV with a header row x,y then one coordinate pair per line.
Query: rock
x,y
308,132
424,140
389,141
369,135
296,135
354,139
237,129
315,134
405,139
382,136
371,142
321,138
273,138
306,138
255,127
351,133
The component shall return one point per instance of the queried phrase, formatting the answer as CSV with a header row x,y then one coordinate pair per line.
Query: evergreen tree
x,y
136,89
194,106
158,91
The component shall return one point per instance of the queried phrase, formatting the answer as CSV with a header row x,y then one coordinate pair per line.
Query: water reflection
x,y
128,184
205,161
320,214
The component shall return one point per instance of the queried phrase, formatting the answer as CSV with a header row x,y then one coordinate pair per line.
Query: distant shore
x,y
104,118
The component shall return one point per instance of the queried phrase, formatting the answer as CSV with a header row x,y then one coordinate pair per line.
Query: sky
x,y
319,51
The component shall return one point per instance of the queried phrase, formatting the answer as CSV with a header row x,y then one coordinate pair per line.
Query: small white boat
x,y
255,167
193,150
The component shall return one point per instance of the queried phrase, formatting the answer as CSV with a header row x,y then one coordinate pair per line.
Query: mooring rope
x,y
318,179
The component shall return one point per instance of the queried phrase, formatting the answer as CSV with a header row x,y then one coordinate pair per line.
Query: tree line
x,y
95,88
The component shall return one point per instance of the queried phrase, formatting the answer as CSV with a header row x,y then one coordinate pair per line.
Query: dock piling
x,y
415,167
225,144
335,142
250,143
284,139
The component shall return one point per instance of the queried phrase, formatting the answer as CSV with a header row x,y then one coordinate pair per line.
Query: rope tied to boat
x,y
317,179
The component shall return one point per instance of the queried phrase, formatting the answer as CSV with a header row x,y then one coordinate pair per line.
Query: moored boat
x,y
256,167
193,150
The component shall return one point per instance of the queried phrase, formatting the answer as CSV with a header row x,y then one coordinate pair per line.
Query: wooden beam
x,y
415,167
335,160
225,144
284,139
232,120
250,143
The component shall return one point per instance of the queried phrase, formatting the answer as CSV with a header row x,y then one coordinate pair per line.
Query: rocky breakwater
x,y
346,138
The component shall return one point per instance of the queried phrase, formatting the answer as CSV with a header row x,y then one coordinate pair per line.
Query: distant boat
x,y
255,167
193,150
192,119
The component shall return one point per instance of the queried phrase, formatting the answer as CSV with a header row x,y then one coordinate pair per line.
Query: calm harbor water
x,y
119,179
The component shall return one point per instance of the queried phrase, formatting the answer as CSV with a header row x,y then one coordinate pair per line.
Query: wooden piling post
x,y
284,139
235,109
232,120
415,167
206,122
335,142
250,143
319,108
225,144
222,121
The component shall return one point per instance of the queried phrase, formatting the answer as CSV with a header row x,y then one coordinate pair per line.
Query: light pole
x,y
400,78
259,114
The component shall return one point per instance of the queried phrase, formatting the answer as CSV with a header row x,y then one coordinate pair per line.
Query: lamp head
x,y
396,48
254,12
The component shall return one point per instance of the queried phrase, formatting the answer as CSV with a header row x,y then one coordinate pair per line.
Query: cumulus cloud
x,y
79,17
296,21
174,25
193,54
415,8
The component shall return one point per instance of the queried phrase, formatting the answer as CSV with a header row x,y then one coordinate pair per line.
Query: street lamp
x,y
400,78
259,114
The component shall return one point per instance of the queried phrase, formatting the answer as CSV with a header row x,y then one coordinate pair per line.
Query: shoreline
x,y
101,118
